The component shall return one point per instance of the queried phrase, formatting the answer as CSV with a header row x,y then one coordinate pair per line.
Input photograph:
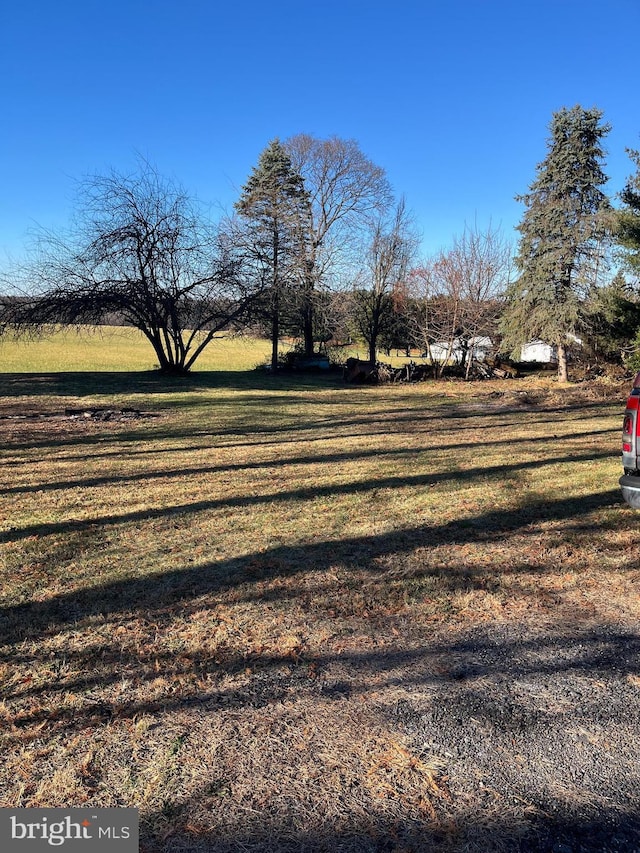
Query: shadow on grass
x,y
252,428
461,666
522,721
324,459
484,696
535,730
604,831
27,620
97,383
467,475
92,384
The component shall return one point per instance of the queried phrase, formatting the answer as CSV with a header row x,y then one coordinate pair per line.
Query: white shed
x,y
540,352
477,348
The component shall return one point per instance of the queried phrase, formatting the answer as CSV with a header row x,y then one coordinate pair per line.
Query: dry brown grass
x,y
212,615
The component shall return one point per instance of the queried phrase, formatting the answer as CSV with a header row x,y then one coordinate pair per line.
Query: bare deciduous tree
x,y
435,309
483,263
457,295
393,244
347,191
139,249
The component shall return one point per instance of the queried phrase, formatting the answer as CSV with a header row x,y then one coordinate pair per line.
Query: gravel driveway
x,y
537,735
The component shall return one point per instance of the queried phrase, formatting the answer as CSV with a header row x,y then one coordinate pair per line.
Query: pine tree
x,y
275,206
628,235
613,319
562,235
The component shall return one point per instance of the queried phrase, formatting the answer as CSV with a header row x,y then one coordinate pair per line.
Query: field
x,y
285,614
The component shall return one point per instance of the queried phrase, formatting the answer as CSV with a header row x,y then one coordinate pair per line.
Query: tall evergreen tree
x,y
612,319
275,206
629,218
562,235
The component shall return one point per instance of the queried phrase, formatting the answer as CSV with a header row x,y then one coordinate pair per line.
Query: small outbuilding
x,y
540,352
544,353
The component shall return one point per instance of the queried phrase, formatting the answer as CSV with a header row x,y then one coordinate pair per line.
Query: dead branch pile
x,y
357,370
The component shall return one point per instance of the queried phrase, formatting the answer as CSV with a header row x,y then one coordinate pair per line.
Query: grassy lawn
x,y
116,349
214,610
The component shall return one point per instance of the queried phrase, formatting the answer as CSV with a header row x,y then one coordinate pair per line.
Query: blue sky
x,y
453,99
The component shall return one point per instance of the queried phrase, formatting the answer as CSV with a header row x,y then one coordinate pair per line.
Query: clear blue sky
x,y
452,98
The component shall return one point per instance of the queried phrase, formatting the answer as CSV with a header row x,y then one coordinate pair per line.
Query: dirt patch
x,y
89,414
34,426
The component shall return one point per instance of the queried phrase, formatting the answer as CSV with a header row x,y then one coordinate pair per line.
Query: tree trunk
x,y
275,330
307,323
563,374
275,299
467,370
308,305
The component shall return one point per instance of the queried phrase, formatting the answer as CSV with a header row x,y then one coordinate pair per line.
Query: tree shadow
x,y
604,831
290,391
98,383
476,701
309,459
521,723
532,735
467,669
29,619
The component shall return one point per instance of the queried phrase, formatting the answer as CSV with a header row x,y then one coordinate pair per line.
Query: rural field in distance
x,y
289,614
